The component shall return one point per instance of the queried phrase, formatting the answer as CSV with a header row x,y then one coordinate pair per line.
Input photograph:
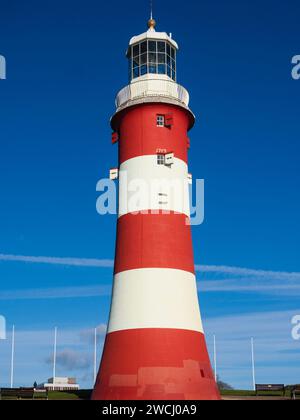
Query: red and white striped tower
x,y
155,347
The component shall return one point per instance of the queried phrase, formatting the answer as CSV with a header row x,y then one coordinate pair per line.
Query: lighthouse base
x,y
155,364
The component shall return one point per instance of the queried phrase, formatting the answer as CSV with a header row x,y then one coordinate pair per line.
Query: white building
x,y
62,384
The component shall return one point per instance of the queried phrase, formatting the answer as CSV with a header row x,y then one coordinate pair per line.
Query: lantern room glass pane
x,y
136,50
152,69
143,59
161,69
136,61
152,58
143,47
161,58
161,47
169,49
152,46
143,70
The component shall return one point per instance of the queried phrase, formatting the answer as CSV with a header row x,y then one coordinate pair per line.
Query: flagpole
x,y
54,355
253,364
12,357
95,356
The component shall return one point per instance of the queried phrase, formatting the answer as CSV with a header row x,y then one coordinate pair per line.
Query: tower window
x,y
160,159
160,120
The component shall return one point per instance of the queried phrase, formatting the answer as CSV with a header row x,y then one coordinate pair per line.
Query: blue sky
x,y
65,63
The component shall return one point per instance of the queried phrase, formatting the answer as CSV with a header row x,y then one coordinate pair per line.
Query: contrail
x,y
77,262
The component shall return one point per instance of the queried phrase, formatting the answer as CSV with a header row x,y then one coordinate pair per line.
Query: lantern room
x,y
152,53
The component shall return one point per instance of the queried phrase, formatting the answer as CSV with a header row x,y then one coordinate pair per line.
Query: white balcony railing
x,y
152,87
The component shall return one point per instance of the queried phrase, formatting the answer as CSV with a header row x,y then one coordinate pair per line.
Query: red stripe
x,y
155,364
140,136
154,241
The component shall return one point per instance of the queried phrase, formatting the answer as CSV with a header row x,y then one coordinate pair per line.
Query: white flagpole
x,y
54,356
215,359
12,358
253,364
95,356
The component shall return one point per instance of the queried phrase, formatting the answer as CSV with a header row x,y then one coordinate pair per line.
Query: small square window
x,y
160,121
160,159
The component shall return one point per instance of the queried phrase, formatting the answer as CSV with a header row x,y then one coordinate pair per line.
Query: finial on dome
x,y
151,24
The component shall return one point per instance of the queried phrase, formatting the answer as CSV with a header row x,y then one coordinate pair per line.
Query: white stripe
x,y
145,185
155,298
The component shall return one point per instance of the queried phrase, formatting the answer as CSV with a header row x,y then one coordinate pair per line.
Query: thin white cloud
x,y
77,262
56,293
251,284
237,271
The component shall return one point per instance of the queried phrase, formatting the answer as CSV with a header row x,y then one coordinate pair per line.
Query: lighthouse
x,y
155,346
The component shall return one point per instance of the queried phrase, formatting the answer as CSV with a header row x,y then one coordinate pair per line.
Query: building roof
x,y
153,35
